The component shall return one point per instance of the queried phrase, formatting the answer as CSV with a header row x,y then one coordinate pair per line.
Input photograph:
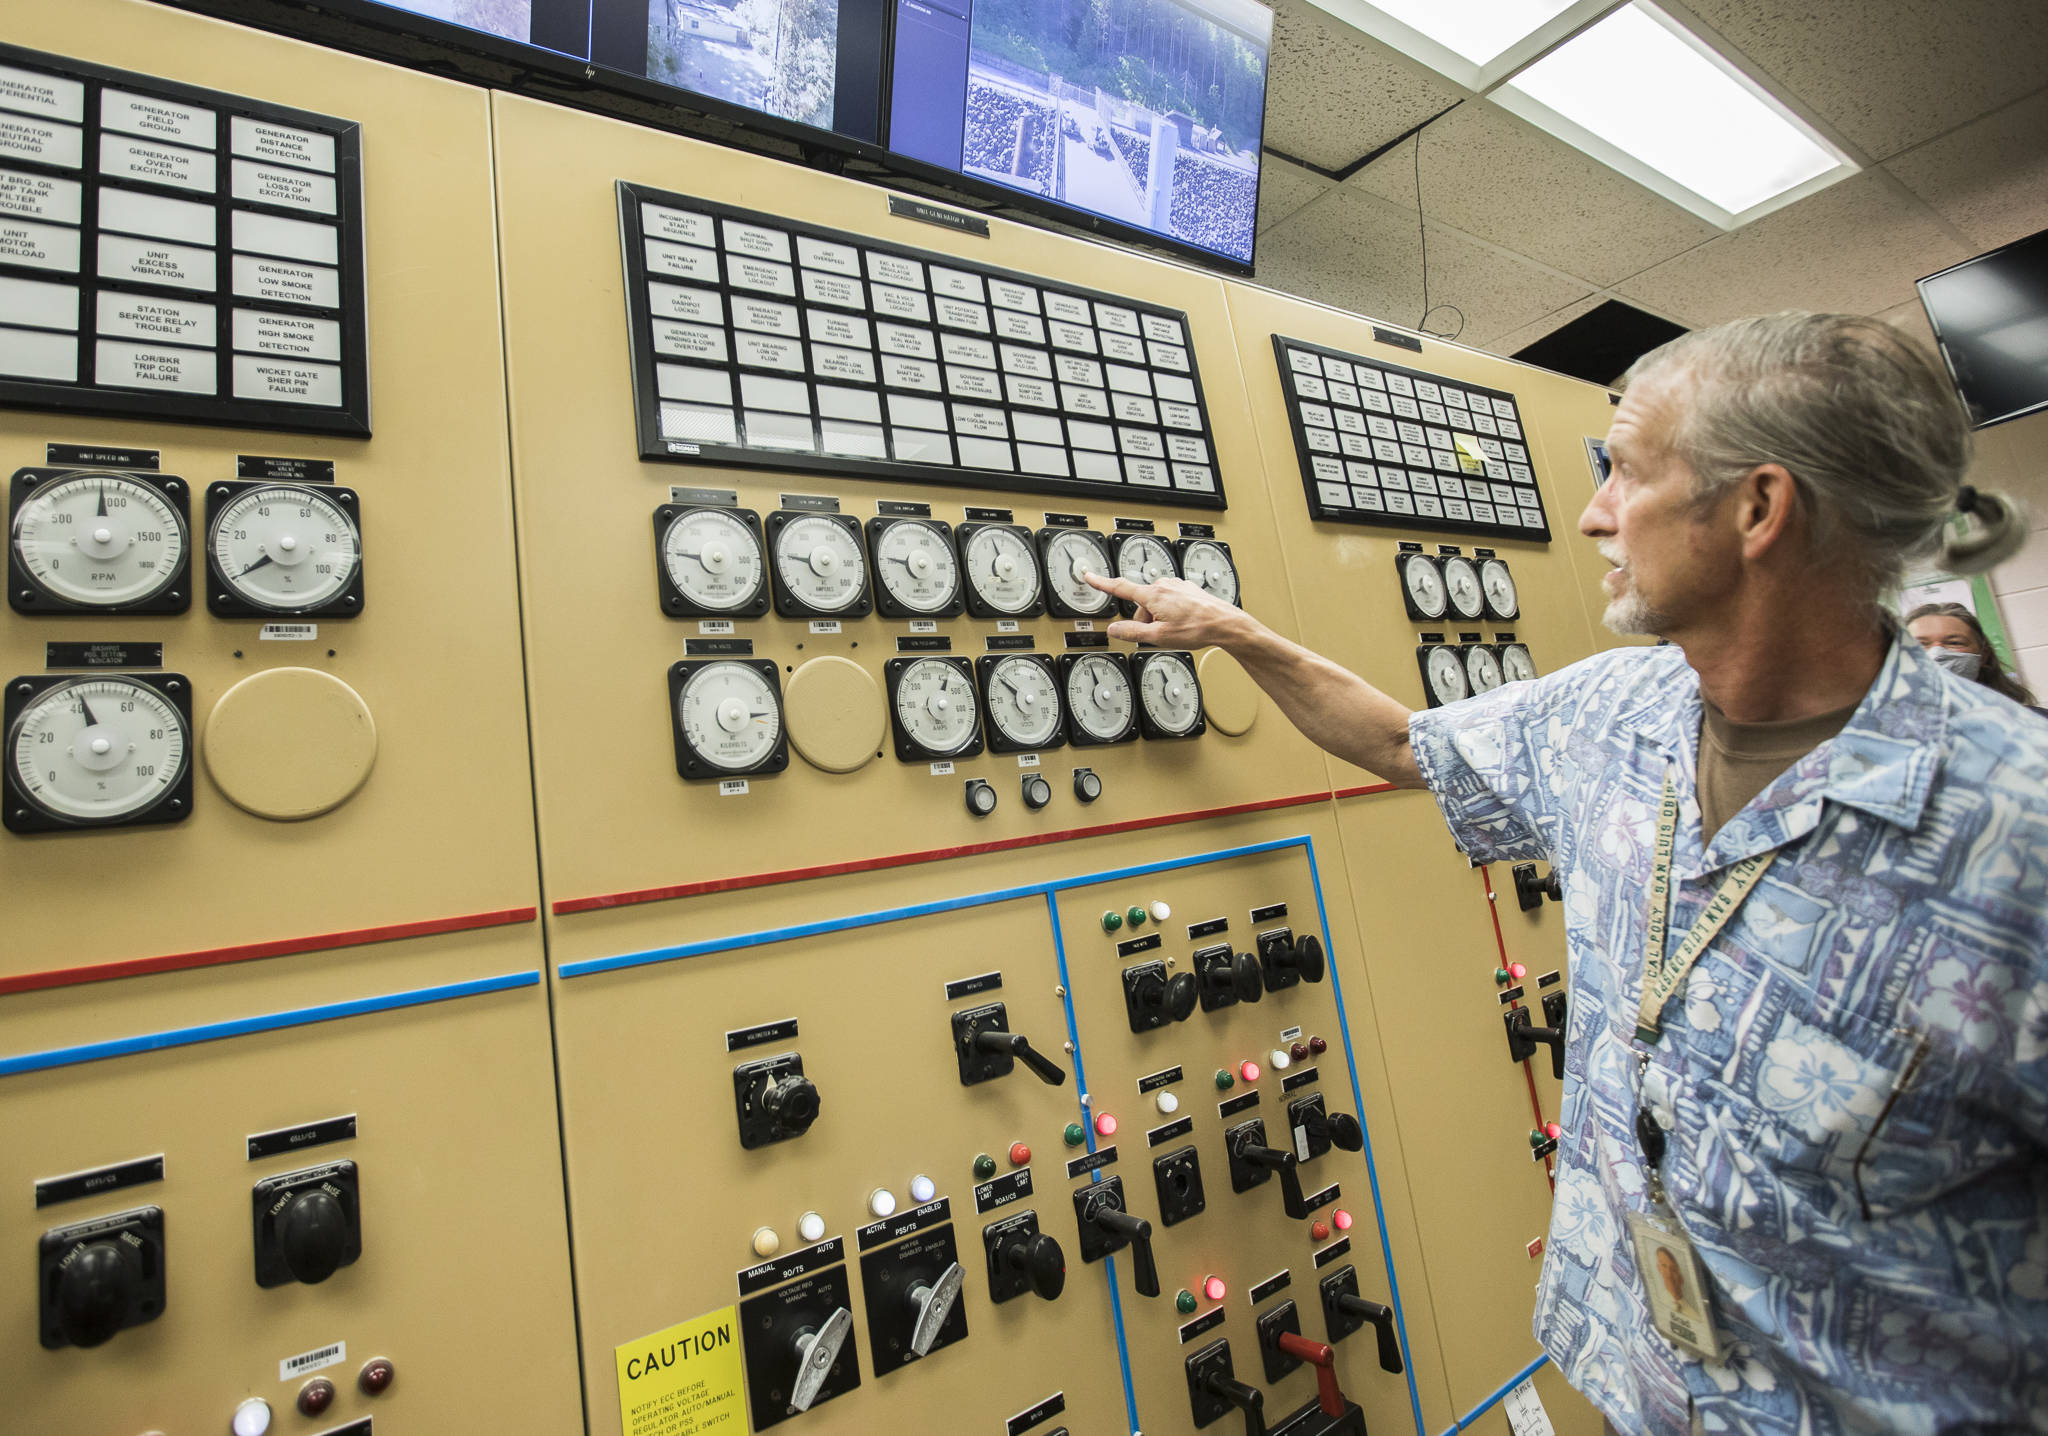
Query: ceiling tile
x,y
1990,178
1889,74
1333,95
1508,344
1912,319
1284,189
1856,247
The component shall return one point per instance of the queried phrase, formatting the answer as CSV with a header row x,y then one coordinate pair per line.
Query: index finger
x,y
1123,588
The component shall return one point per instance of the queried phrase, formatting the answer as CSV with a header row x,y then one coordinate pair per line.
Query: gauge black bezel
x,y
1117,542
886,603
977,606
1180,549
1138,663
1422,652
1504,647
686,764
1079,736
1451,609
1056,606
908,749
792,605
1486,598
26,593
20,813
1494,649
221,598
1401,562
992,731
677,604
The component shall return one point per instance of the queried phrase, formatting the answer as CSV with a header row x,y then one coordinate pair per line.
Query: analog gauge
x,y
1141,558
820,571
1100,704
97,752
1206,564
931,703
727,715
1002,571
710,562
1502,602
1070,555
1461,581
1482,668
92,540
1443,674
1020,700
1516,665
283,548
1169,697
916,572
1422,586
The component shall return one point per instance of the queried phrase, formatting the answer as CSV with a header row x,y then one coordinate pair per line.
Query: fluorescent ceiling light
x,y
1639,93
1477,30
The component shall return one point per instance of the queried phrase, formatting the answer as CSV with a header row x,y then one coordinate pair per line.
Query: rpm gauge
x,y
931,705
709,562
1461,582
96,541
1482,668
1101,703
917,574
1001,571
107,751
1443,674
1206,564
1169,695
727,718
283,548
1422,586
1020,702
820,570
1070,555
1498,585
1516,665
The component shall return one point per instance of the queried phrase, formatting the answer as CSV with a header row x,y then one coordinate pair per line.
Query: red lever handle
x,y
1324,1360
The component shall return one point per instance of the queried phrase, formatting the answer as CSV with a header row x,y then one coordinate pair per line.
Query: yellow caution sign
x,y
684,1380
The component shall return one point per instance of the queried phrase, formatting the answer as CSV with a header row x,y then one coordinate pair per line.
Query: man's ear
x,y
1768,509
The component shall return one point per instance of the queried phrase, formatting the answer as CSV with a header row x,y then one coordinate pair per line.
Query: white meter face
x,y
1446,675
1100,698
1208,567
1461,580
714,560
1482,669
935,707
819,562
730,717
1023,702
98,750
99,540
1515,663
1424,583
1499,585
915,565
1002,571
1172,697
285,549
1142,558
1070,556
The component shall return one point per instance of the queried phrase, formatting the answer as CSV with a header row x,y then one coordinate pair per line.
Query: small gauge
x,y
1169,695
1482,668
1141,558
1206,564
1070,555
283,548
727,718
1422,586
1498,585
1461,581
98,541
1002,571
820,571
1443,674
709,562
931,706
1516,666
108,751
1101,706
917,574
1020,702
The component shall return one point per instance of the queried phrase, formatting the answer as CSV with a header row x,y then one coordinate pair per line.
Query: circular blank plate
x,y
835,714
1229,697
290,743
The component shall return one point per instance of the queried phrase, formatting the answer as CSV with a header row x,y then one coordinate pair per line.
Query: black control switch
x,y
1530,890
980,797
1344,1311
1152,999
986,1048
773,1099
1252,1162
1524,1035
1214,1390
1107,1227
1022,1259
99,1277
308,1225
1087,787
1178,1177
1324,1130
1037,792
1288,960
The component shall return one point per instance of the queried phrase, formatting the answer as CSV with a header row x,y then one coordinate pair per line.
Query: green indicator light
x,y
1112,920
1502,977
1185,1302
1135,916
984,1167
1224,1081
1076,1134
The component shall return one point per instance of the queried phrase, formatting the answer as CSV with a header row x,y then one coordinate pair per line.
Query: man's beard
x,y
1630,615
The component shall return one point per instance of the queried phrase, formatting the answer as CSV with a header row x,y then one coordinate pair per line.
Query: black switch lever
x,y
1138,1232
1017,1045
1339,1129
1247,1147
1382,1319
1530,890
1248,1399
1107,1228
1523,1035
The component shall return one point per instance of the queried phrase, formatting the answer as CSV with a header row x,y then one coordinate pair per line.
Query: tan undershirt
x,y
1739,760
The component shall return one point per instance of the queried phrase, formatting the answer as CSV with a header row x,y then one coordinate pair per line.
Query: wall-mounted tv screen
x,y
1144,113
1990,315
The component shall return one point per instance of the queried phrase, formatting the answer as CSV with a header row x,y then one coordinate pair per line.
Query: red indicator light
x,y
1214,1289
1320,1231
1249,1070
1020,1155
1105,1125
1343,1220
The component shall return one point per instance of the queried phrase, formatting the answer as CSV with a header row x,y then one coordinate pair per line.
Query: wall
x,y
2014,457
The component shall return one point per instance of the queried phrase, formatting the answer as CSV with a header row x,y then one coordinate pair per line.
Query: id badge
x,y
1681,1301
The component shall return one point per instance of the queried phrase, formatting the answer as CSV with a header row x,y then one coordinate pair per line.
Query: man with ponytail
x,y
1805,876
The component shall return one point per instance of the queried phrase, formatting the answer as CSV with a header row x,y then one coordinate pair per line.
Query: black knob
x,y
1530,890
1247,977
792,1104
1181,996
981,798
1342,1130
1087,787
1382,1318
312,1235
1039,1260
1148,990
94,1294
1248,1399
1308,958
1037,792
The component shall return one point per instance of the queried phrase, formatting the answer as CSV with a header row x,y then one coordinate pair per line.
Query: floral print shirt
x,y
1854,1077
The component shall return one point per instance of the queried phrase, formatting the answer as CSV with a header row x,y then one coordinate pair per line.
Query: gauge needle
x,y
103,501
1017,692
891,558
86,709
254,566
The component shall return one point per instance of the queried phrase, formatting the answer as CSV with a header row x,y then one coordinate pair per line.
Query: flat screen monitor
x,y
1144,114
1990,315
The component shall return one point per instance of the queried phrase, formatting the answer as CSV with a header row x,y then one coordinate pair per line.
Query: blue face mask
x,y
1963,665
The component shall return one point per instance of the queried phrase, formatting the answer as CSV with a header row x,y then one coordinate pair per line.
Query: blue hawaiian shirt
x,y
1854,1076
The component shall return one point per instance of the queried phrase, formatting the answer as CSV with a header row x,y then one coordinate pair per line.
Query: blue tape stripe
x,y
270,1022
1371,1168
1494,1400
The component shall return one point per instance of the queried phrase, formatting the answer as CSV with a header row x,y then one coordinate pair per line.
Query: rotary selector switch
x,y
308,1224
99,1277
1023,1260
774,1101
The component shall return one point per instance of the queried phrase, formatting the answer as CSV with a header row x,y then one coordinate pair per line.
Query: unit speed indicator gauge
x,y
1101,703
820,571
1422,586
1443,674
1482,668
97,541
917,574
1070,555
727,718
1498,586
1206,564
101,752
1020,702
1001,570
1461,582
709,562
1516,665
283,548
1169,695
931,705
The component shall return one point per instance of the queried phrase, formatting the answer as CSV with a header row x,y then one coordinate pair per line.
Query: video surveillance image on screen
x,y
508,19
780,57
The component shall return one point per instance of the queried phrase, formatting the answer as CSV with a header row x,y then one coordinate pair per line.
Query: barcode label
x,y
316,1360
824,625
1084,625
924,625
289,632
712,627
1006,625
1027,760
941,770
732,788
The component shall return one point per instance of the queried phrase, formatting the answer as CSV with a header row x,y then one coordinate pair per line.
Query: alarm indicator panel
x,y
1000,563
821,566
1461,582
1169,694
1102,702
1069,556
1497,584
288,549
107,751
917,571
932,708
1482,667
1206,563
710,562
726,716
1422,586
98,541
1020,702
1516,666
1443,673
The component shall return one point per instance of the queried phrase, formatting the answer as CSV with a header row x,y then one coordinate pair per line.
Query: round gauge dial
x,y
1423,582
819,562
1461,581
1499,586
1446,676
915,564
99,540
98,750
1207,566
1172,697
1515,663
1070,555
1142,558
935,706
1023,702
1482,668
284,548
1100,698
729,716
713,559
1002,571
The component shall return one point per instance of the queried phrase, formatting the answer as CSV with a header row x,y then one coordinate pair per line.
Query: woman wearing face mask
x,y
1952,637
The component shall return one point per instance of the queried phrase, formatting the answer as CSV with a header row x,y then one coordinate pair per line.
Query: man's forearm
x,y
1335,708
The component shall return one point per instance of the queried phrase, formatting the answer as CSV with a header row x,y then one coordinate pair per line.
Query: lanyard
x,y
1661,978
